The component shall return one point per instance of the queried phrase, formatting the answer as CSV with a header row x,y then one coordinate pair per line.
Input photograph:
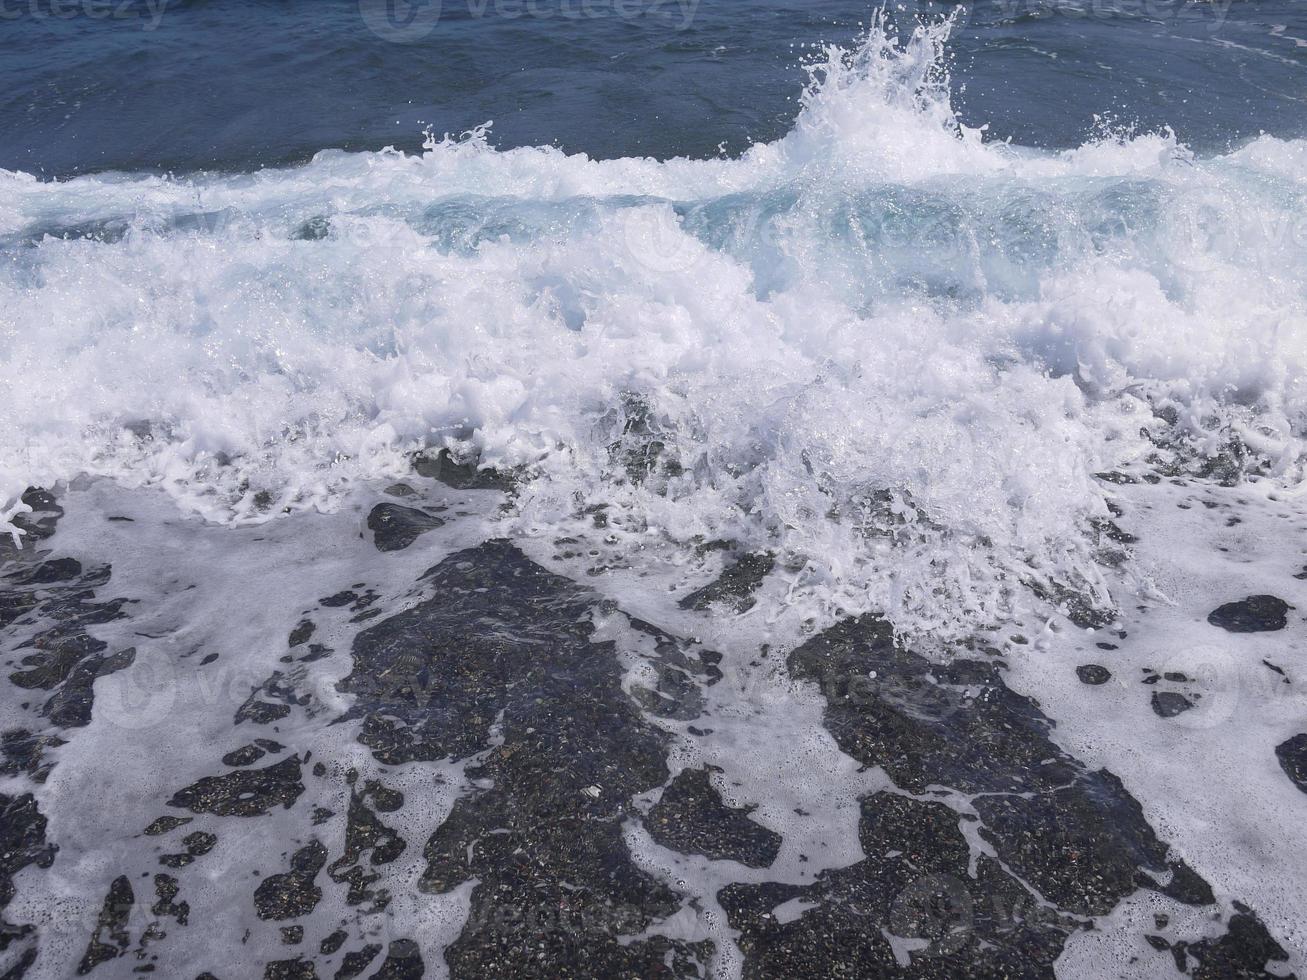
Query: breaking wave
x,y
884,348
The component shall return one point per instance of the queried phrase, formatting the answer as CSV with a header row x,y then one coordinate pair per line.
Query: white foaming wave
x,y
882,347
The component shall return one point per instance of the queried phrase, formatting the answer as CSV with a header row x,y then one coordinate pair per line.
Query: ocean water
x,y
986,322
888,345
183,85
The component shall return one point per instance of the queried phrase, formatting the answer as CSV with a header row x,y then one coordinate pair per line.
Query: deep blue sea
x,y
181,85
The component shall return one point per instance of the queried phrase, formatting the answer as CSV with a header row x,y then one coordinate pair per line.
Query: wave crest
x,y
889,351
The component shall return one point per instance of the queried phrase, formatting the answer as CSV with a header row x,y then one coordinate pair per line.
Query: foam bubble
x,y
881,347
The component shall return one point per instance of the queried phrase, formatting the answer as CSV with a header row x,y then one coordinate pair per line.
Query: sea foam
x,y
888,350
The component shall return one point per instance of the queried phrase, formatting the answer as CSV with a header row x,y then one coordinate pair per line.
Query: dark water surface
x,y
87,85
